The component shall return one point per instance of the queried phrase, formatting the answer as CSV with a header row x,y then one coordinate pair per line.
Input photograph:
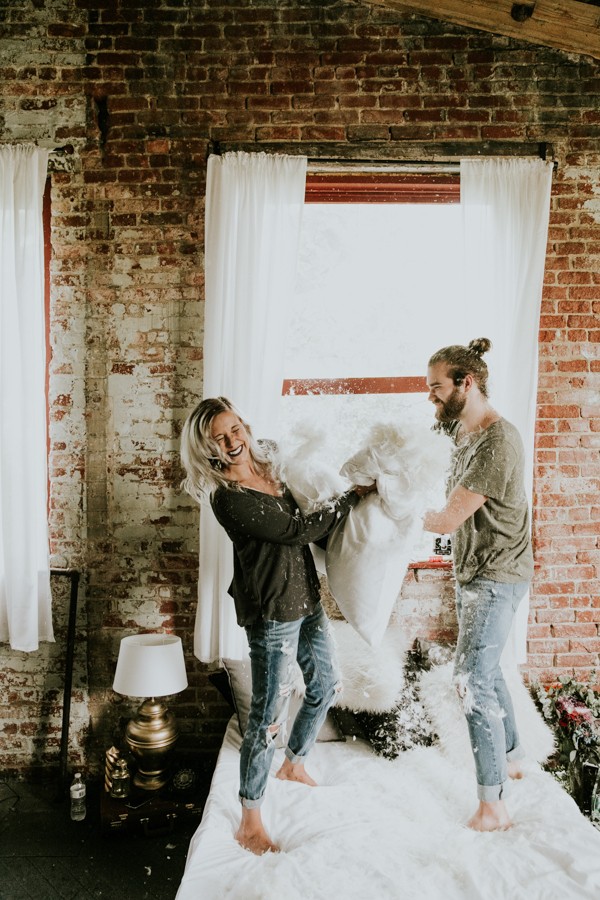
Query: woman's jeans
x,y
485,614
274,649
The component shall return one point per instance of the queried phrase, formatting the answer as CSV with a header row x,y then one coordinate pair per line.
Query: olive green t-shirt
x,y
495,542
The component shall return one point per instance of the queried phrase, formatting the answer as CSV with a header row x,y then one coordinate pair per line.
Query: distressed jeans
x,y
274,649
485,614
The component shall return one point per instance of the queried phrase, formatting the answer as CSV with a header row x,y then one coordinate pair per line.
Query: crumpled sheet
x,y
394,830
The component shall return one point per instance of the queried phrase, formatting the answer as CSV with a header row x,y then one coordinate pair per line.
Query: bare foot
x,y
252,835
515,770
290,771
492,815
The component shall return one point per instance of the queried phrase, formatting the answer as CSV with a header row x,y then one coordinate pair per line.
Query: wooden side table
x,y
156,812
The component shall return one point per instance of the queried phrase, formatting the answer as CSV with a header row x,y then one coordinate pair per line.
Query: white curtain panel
x,y
25,603
254,205
506,207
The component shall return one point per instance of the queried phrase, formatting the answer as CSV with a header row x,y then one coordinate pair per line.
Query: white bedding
x,y
384,829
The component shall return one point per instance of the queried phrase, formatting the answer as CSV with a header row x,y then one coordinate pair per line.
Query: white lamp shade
x,y
150,665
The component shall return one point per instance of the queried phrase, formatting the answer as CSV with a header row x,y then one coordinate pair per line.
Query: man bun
x,y
480,346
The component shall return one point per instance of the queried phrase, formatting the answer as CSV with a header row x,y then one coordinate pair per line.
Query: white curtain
x,y
506,207
25,605
254,205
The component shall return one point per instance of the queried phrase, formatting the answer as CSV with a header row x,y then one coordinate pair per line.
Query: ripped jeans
x,y
485,614
274,649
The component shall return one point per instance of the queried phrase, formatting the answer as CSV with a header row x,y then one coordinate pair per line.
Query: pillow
x,y
402,725
379,701
240,681
372,678
369,550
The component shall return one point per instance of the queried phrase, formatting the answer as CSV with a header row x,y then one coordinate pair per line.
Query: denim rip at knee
x,y
274,649
485,613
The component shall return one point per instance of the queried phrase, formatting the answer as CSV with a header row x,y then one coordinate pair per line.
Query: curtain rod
x,y
408,156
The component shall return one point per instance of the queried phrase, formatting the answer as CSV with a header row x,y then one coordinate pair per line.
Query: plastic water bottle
x,y
77,791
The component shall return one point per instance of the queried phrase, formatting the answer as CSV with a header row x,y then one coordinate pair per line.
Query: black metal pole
x,y
73,575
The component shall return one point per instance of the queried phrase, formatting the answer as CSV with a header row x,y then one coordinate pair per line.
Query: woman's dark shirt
x,y
274,575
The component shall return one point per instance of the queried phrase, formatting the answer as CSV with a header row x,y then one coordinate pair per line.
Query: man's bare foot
x,y
290,771
514,770
252,835
492,815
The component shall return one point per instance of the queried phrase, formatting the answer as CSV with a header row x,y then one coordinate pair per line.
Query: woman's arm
x,y
461,504
251,515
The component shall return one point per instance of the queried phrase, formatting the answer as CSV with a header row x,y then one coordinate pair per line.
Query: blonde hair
x,y
463,361
202,457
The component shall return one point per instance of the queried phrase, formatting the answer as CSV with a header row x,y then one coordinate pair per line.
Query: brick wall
x,y
139,90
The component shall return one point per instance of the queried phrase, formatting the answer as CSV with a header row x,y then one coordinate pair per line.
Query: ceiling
x,y
571,25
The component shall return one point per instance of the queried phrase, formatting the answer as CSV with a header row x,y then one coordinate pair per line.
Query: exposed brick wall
x,y
140,90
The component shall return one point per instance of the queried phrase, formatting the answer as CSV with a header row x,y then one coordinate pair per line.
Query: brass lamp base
x,y
151,736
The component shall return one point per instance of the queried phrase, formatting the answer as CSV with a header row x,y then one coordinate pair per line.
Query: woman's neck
x,y
247,476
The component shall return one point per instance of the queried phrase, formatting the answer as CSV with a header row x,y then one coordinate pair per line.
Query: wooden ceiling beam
x,y
569,25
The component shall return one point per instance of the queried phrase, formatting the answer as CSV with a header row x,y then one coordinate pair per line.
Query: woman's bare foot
x,y
252,835
515,770
290,771
492,815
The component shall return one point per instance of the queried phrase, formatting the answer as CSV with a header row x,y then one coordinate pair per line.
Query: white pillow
x,y
371,678
240,682
368,551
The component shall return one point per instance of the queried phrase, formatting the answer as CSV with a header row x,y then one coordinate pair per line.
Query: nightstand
x,y
156,812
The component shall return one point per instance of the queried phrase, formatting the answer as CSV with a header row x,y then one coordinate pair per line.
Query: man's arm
x,y
461,504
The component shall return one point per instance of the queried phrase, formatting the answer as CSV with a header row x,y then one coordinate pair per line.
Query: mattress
x,y
378,828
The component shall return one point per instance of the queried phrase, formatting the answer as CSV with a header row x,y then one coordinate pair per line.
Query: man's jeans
x,y
274,649
485,614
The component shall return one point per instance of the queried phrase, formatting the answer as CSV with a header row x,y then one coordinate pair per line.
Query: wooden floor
x,y
44,855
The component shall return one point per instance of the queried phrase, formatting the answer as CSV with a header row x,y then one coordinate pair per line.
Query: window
x,y
377,292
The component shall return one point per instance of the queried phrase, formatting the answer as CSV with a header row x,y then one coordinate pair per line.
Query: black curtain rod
x,y
386,153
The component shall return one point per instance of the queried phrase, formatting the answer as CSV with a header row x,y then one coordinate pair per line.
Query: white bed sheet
x,y
382,829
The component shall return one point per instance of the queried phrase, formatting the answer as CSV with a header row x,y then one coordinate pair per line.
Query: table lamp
x,y
151,666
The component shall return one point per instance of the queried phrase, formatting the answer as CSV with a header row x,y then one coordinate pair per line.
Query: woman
x,y
276,593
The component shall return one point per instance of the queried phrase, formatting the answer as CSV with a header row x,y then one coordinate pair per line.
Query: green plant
x,y
572,710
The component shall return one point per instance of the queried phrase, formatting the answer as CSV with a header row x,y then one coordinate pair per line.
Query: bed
x,y
393,828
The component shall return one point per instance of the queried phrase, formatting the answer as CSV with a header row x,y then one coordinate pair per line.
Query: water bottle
x,y
77,791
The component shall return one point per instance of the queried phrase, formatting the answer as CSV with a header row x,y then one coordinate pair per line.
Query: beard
x,y
450,411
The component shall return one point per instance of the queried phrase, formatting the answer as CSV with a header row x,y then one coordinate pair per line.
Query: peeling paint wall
x,y
139,91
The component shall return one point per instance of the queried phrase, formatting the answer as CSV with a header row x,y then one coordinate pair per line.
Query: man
x,y
487,514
